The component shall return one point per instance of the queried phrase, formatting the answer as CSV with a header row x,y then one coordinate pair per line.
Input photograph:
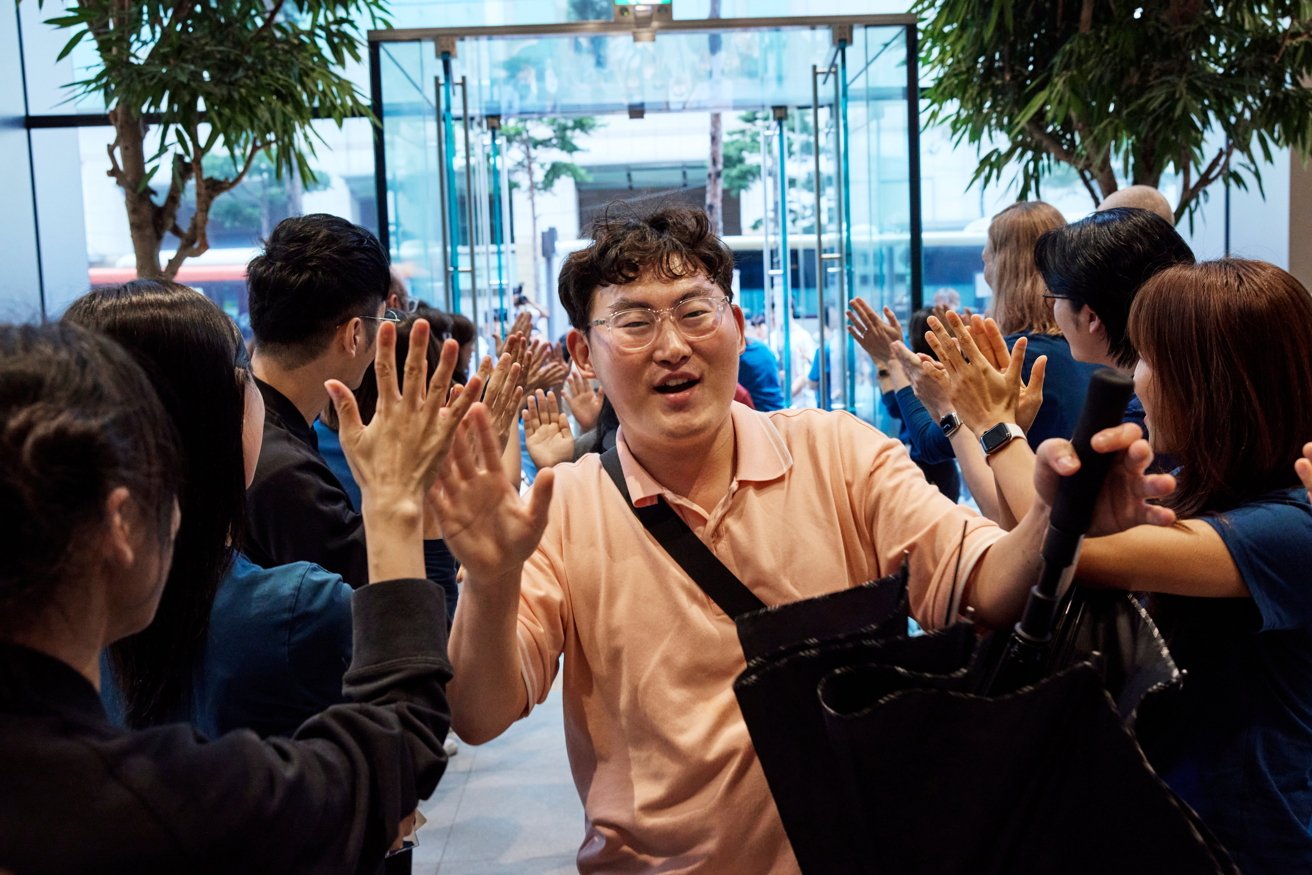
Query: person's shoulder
x,y
801,425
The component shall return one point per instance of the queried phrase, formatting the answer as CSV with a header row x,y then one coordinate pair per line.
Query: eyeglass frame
x,y
720,303
389,315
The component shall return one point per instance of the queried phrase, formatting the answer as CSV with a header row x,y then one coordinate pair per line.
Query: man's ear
x,y
742,327
120,535
349,337
1090,323
580,353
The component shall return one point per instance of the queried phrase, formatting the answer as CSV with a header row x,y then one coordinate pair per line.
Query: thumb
x,y
348,412
539,500
1037,374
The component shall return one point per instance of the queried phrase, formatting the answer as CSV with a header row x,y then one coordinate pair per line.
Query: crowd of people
x,y
249,590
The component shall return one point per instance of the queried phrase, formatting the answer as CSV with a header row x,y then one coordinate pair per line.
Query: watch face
x,y
996,437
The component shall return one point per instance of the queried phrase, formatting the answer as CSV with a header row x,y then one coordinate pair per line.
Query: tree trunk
x,y
715,177
715,161
129,171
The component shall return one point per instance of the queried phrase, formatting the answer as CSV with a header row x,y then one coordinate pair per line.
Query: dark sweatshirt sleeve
x,y
929,443
329,799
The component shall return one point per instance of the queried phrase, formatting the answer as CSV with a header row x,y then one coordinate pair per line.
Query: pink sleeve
x,y
941,540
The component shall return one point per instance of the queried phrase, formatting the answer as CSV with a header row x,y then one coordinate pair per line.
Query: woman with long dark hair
x,y
188,349
90,495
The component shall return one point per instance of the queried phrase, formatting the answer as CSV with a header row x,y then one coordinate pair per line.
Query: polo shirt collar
x,y
760,451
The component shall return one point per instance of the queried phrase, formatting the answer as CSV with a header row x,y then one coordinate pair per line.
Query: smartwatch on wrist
x,y
949,423
999,436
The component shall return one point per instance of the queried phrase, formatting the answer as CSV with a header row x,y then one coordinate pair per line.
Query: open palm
x,y
547,435
488,527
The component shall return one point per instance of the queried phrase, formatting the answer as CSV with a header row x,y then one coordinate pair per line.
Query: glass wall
x,y
817,126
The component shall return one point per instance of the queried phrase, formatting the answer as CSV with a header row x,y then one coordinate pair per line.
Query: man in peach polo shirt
x,y
795,502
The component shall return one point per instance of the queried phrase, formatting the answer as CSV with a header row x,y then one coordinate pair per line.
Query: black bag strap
x,y
683,545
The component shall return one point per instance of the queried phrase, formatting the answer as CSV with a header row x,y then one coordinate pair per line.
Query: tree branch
x,y
1087,179
166,213
219,186
1217,166
1050,144
180,13
268,22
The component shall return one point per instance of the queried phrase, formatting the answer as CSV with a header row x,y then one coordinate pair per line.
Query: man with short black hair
x,y
317,295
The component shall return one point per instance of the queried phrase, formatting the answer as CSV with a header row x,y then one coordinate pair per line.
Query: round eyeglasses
x,y
636,328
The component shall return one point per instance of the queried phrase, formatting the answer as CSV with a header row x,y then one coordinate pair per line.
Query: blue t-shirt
x,y
1241,754
330,448
1065,383
758,372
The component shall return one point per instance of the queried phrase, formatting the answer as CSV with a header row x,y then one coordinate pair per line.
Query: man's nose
x,y
670,344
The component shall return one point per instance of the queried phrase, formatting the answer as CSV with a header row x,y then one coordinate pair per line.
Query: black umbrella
x,y
887,753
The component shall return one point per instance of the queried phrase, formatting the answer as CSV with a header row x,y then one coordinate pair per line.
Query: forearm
x,y
1013,471
975,471
1002,578
1188,558
487,693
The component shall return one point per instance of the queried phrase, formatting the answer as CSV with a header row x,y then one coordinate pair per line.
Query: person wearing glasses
x,y
1094,270
317,297
796,503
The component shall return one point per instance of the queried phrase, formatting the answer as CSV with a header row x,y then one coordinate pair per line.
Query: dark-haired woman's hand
x,y
981,394
1304,468
397,456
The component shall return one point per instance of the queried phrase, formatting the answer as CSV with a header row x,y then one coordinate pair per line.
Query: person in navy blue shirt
x,y
1093,270
758,373
94,526
1226,385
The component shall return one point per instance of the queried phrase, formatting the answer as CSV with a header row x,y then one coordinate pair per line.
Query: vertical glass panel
x,y
880,191
414,204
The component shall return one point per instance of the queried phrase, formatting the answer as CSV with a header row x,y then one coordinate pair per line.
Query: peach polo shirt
x,y
657,745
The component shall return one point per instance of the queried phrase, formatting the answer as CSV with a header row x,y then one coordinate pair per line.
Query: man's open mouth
x,y
674,386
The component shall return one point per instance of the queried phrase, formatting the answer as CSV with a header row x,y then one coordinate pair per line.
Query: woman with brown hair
x,y
1226,385
1022,311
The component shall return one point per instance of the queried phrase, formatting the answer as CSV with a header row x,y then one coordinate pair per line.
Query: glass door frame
x,y
495,215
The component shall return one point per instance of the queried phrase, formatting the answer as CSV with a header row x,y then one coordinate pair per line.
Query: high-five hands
x,y
396,458
488,527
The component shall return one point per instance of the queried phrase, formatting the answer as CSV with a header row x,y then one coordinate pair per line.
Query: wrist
x,y
399,511
998,436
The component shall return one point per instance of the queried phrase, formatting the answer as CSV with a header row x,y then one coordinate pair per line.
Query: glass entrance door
x,y
823,100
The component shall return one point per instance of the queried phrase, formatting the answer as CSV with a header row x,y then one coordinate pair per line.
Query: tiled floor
x,y
508,806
